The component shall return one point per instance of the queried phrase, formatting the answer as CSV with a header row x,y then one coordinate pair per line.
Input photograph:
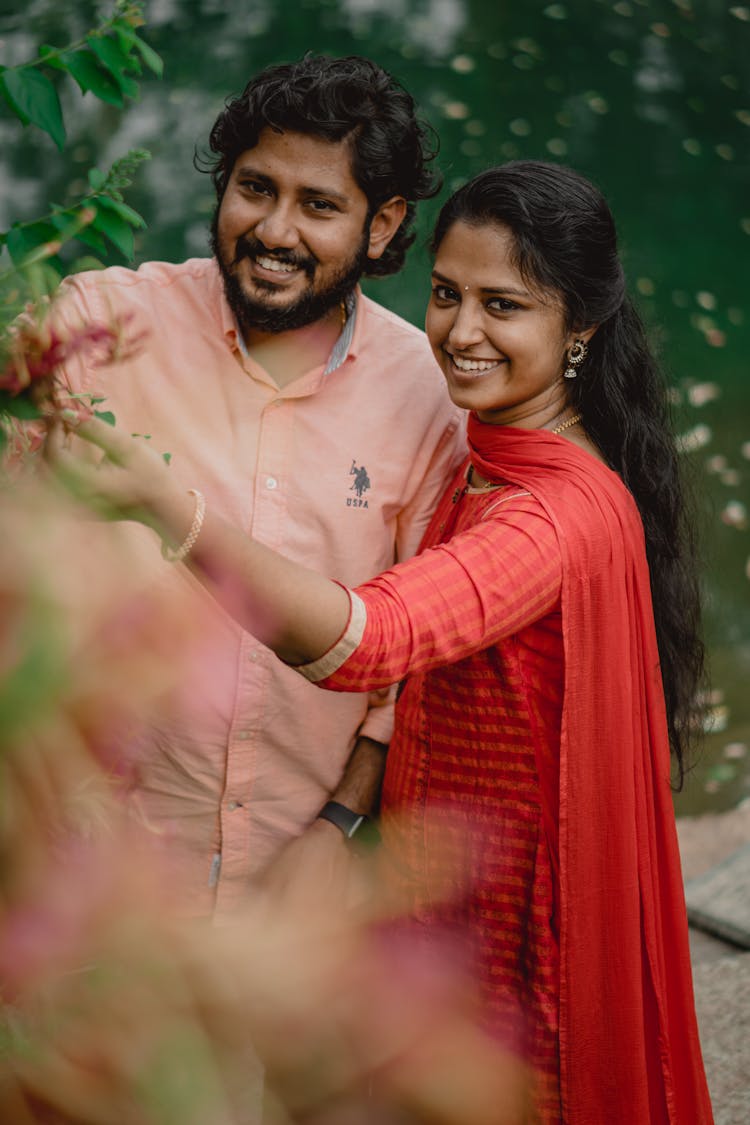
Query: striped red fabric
x,y
526,803
462,808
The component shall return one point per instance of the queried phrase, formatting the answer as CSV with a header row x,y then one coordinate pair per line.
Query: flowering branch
x,y
37,349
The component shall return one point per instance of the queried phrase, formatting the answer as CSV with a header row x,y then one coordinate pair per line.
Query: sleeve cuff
x,y
340,652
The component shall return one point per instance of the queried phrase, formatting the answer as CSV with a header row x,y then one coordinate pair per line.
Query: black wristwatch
x,y
347,821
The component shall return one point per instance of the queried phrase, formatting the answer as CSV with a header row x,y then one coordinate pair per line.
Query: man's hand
x,y
322,860
359,787
318,865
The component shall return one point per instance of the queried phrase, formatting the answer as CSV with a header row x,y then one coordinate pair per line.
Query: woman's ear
x,y
584,334
384,224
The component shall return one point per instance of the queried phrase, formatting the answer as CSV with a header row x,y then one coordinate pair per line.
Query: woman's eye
x,y
444,293
502,304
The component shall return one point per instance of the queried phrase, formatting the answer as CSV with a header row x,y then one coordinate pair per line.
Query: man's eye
x,y
321,205
254,186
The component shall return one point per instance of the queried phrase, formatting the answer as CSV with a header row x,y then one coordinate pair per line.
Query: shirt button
x,y
271,482
255,655
243,735
234,805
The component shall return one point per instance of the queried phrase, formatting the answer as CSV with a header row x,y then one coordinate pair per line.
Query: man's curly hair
x,y
337,99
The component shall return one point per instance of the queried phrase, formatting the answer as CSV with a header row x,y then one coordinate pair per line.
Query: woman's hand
x,y
296,612
130,480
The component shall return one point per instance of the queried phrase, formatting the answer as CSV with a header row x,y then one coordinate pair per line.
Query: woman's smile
x,y
500,343
472,368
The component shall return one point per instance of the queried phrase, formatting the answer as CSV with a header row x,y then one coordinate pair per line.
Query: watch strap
x,y
345,820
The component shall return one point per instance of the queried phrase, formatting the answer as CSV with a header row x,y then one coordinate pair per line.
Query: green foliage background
x,y
650,98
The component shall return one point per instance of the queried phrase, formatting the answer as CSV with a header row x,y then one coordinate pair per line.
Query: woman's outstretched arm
x,y
466,595
291,609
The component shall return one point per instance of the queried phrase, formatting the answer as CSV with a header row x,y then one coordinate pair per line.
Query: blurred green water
x,y
650,98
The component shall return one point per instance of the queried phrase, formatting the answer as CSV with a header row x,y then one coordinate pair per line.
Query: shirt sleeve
x,y
458,598
449,452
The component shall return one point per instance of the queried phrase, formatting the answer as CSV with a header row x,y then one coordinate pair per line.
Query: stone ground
x,y
721,971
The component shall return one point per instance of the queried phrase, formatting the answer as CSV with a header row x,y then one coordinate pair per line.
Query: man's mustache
x,y
254,248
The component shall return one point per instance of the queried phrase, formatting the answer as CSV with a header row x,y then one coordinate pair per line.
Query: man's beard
x,y
252,313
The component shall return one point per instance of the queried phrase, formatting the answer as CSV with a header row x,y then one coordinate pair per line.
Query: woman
x,y
530,767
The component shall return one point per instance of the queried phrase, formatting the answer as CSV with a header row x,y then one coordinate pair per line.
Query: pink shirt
x,y
340,470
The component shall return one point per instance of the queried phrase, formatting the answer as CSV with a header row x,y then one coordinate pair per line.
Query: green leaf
x,y
67,222
22,241
119,233
153,61
122,209
106,416
35,99
48,54
93,240
129,87
68,225
84,68
166,457
111,56
16,110
20,407
96,179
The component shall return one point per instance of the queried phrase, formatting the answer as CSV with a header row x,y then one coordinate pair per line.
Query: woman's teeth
x,y
473,365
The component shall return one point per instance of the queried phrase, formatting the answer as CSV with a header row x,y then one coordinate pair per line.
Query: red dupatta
x,y
629,1047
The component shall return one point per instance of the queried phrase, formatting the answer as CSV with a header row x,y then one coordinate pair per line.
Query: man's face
x,y
291,232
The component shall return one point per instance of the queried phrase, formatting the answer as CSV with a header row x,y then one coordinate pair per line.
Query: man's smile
x,y
275,265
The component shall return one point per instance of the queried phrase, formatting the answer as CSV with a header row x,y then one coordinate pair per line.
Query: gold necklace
x,y
486,484
566,425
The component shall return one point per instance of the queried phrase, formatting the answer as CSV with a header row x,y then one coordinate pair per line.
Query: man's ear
x,y
384,224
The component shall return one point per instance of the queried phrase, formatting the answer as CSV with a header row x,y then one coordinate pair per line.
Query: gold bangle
x,y
195,530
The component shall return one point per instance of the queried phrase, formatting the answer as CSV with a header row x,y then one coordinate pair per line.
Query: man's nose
x,y
277,228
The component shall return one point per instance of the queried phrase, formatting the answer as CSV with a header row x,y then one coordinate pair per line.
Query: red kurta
x,y
531,767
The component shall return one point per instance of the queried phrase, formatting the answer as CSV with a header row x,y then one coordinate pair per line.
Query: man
x,y
304,412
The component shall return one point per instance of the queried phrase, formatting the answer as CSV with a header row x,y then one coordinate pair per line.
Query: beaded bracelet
x,y
195,530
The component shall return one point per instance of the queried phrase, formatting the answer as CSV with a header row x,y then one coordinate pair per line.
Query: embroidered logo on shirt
x,y
361,485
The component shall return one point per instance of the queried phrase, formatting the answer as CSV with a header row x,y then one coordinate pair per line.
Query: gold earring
x,y
576,356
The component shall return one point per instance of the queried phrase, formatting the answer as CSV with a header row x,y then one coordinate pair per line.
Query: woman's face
x,y
501,345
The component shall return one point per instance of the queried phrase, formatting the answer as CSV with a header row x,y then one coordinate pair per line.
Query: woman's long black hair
x,y
565,241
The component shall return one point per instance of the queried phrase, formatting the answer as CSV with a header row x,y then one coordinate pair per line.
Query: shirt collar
x,y
340,349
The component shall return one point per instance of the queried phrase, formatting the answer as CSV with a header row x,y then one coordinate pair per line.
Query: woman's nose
x,y
466,329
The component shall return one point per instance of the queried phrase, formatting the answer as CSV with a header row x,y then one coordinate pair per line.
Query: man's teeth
x,y
474,364
274,264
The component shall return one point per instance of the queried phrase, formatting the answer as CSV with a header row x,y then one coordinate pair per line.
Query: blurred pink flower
x,y
37,350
